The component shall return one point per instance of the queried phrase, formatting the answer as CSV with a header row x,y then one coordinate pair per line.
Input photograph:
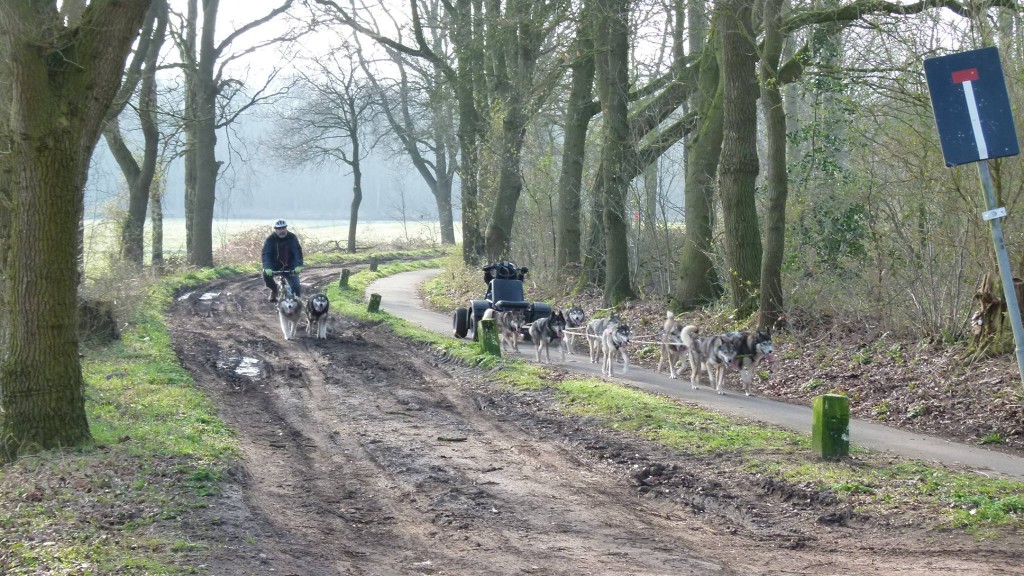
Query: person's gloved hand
x,y
298,269
268,272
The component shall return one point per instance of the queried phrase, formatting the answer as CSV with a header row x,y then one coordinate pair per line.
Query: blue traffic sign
x,y
971,106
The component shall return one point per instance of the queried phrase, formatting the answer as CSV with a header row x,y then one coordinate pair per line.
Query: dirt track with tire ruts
x,y
366,454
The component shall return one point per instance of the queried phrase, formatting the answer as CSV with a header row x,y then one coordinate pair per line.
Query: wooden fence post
x,y
343,281
489,337
373,263
374,305
830,429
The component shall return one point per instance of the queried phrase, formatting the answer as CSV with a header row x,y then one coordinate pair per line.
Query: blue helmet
x,y
280,224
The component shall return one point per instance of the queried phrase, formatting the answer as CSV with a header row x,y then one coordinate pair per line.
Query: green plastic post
x,y
830,431
374,305
343,281
489,337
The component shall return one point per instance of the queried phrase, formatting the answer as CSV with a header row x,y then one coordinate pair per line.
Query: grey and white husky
x,y
713,353
510,325
672,348
614,340
595,332
752,348
316,314
544,331
575,319
289,311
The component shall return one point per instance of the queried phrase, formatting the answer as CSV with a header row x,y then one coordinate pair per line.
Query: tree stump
x,y
97,321
343,280
987,320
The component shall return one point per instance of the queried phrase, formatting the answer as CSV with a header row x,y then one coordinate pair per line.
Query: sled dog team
x,y
609,337
290,310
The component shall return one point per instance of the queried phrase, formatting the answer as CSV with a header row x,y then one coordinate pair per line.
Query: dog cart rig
x,y
504,282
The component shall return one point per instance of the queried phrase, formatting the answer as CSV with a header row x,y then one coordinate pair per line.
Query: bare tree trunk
x,y
580,110
156,221
205,141
55,120
776,180
357,191
612,48
697,282
739,163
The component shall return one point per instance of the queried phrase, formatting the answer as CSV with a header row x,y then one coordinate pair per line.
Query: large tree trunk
x,y
55,120
697,283
579,111
470,64
205,141
776,180
510,182
612,44
739,164
187,49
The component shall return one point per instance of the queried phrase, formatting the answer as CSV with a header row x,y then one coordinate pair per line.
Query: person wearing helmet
x,y
282,251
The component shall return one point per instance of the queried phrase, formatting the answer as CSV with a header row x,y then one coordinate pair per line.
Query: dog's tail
x,y
669,315
689,334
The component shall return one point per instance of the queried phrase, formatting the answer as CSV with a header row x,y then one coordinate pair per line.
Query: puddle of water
x,y
249,367
209,295
185,296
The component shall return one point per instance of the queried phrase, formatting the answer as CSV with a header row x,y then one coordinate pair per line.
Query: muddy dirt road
x,y
364,454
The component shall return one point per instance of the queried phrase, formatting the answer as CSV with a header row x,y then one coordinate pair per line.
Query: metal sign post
x,y
975,123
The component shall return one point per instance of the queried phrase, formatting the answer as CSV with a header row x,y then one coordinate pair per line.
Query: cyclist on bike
x,y
282,252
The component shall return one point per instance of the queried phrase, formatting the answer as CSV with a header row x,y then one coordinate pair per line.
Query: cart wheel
x,y
460,323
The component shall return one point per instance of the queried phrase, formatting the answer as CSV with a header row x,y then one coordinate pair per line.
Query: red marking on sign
x,y
961,76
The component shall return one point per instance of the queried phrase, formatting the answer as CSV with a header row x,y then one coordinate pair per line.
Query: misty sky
x,y
251,185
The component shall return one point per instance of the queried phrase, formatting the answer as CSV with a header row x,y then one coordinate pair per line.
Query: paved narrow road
x,y
399,297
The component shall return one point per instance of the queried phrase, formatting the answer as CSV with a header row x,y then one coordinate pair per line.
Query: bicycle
x,y
284,287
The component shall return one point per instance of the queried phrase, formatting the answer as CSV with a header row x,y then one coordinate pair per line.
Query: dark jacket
x,y
282,253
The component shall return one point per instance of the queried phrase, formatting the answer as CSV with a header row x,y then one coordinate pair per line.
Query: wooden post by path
x,y
343,281
374,306
489,337
830,430
373,263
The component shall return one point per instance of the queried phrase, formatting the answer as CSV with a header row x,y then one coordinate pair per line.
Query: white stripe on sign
x,y
972,108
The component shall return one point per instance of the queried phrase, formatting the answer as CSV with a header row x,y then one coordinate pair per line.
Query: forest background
x,y
770,157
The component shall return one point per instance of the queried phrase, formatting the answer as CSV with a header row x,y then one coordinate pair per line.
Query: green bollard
x,y
374,305
489,337
830,430
343,281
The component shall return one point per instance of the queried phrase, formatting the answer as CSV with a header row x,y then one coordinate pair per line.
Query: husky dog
x,y
575,318
595,332
316,314
614,339
510,325
289,310
714,353
751,349
672,347
544,330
